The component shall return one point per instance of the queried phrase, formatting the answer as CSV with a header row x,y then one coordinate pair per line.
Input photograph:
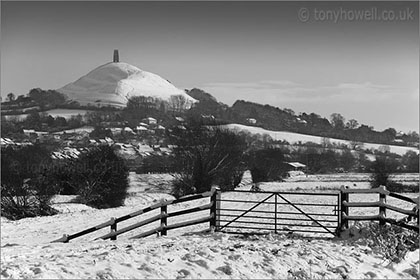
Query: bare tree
x,y
356,145
289,111
11,97
326,142
207,156
352,124
178,103
337,120
384,149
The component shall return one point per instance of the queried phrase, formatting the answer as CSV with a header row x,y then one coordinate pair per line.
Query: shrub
x,y
206,156
266,165
158,164
258,175
401,188
231,178
183,185
381,168
410,161
100,178
26,187
391,241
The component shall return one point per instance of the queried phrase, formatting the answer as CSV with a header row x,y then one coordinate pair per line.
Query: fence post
x,y
382,208
215,209
64,239
113,228
337,211
163,219
344,209
275,214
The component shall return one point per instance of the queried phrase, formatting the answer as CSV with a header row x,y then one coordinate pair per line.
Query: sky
x,y
321,57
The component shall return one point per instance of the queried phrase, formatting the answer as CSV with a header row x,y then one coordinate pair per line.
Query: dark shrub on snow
x,y
26,186
100,178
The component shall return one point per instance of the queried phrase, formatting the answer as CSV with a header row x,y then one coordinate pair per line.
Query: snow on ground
x,y
140,183
66,113
328,181
26,251
83,129
296,137
205,256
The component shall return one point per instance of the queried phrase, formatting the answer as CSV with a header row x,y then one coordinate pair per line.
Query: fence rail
x,y
380,204
331,223
162,216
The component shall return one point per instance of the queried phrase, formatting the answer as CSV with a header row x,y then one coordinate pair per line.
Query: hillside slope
x,y
296,137
114,83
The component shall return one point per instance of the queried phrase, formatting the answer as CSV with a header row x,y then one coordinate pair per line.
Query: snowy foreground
x,y
26,251
203,256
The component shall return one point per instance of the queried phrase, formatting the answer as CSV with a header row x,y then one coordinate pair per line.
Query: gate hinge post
x,y
215,209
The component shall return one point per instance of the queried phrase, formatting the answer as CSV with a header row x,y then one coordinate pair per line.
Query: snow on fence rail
x,y
216,216
381,204
163,217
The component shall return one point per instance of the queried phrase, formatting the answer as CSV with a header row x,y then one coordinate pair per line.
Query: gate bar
x,y
250,209
297,208
283,192
279,203
281,224
281,218
279,212
287,230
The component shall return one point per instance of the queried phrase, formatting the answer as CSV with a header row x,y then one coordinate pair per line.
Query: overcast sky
x,y
257,51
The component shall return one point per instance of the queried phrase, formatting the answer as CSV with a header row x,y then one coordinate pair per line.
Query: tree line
x,y
203,156
268,117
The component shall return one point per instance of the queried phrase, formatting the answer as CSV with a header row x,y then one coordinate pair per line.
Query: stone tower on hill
x,y
116,56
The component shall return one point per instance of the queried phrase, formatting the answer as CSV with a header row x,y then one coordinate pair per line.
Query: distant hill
x,y
208,105
293,138
266,116
276,119
202,96
114,83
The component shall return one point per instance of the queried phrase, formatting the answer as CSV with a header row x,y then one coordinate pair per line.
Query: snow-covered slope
x,y
296,137
114,83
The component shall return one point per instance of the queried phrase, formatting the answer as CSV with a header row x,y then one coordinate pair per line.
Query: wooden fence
x,y
215,217
162,216
380,204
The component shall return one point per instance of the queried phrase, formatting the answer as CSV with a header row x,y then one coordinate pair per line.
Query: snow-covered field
x,y
296,137
26,251
327,181
19,117
66,113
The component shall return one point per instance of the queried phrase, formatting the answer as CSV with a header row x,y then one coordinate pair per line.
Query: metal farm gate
x,y
307,213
